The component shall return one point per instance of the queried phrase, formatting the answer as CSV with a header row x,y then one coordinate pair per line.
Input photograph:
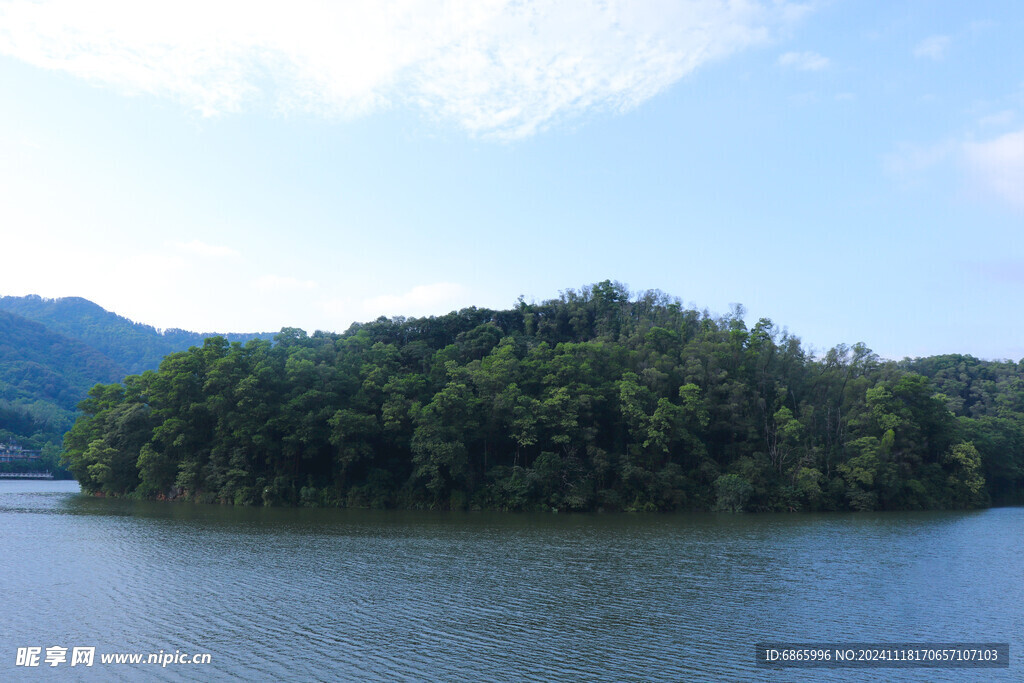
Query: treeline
x,y
595,400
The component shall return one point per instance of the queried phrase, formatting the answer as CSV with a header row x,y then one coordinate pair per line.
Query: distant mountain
x,y
43,376
134,346
37,363
52,351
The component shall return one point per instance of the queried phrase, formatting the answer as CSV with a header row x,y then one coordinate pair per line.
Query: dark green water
x,y
280,594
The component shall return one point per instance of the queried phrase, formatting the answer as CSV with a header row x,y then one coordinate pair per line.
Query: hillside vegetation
x,y
590,401
52,351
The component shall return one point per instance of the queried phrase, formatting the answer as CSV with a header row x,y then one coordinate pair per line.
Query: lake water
x,y
283,594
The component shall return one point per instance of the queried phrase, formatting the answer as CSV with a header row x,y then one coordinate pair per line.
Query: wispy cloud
x,y
1002,270
20,140
994,166
282,283
998,165
200,248
437,298
1001,118
502,68
804,61
932,47
909,161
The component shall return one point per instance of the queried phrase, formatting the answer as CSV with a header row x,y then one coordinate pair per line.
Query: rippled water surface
x,y
280,594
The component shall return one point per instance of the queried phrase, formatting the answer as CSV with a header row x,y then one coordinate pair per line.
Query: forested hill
x,y
53,350
134,346
591,401
43,375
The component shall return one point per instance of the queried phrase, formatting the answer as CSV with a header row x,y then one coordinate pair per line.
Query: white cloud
x,y
998,166
421,300
503,68
1002,270
1001,118
804,61
207,250
909,161
18,141
995,166
932,47
282,283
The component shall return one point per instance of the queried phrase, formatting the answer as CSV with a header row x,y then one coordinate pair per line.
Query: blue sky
x,y
854,171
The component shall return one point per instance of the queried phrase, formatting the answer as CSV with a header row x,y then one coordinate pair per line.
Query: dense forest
x,y
595,400
52,351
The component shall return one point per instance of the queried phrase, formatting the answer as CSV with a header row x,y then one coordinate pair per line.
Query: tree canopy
x,y
594,400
